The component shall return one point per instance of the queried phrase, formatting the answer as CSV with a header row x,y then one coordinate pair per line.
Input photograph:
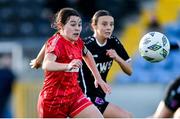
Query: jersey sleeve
x,y
119,48
51,47
85,50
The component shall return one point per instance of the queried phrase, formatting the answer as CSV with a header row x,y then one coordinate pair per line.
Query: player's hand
x,y
35,64
112,54
76,63
105,87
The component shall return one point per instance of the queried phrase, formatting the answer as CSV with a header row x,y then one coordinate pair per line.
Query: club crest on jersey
x,y
70,56
99,101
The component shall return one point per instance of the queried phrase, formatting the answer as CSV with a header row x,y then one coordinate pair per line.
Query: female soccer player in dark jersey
x,y
105,48
170,106
61,95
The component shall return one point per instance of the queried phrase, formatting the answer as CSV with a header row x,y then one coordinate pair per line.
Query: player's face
x,y
105,26
72,29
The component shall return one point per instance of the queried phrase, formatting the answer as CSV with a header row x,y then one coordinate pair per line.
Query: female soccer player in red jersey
x,y
61,95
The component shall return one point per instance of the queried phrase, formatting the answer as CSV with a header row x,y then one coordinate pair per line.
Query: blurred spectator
x,y
154,25
7,78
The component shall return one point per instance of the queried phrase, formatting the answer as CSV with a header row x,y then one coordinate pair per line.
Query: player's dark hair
x,y
98,14
62,16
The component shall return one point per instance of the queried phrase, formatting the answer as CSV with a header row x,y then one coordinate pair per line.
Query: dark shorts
x,y
100,103
172,97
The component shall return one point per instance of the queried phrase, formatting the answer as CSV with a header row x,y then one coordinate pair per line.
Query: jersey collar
x,y
101,45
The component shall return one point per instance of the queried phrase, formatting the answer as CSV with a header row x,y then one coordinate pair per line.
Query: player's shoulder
x,y
53,38
115,39
89,40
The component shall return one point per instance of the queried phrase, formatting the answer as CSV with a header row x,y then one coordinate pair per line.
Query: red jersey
x,y
61,87
65,52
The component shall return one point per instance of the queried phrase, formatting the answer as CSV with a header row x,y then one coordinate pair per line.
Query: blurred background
x,y
25,26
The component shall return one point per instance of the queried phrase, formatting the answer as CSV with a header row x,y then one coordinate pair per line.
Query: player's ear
x,y
60,26
93,26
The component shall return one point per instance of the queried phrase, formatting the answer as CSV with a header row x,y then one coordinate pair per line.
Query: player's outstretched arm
x,y
123,64
37,62
88,58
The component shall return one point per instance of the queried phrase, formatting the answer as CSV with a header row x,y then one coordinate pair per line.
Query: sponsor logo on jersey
x,y
104,66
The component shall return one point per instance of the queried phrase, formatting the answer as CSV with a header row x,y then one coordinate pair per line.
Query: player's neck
x,y
70,40
65,37
100,39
